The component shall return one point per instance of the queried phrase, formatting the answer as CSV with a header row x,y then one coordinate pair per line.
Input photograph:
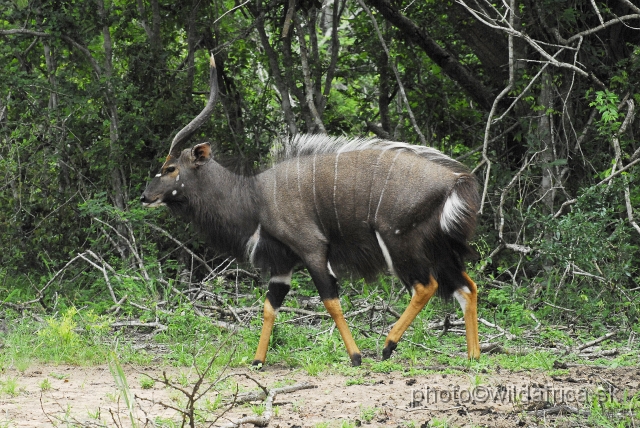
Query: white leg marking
x,y
385,253
453,211
284,279
375,217
250,250
175,192
460,297
331,270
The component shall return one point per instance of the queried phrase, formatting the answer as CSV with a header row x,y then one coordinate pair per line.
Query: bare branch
x,y
181,245
602,26
395,71
304,59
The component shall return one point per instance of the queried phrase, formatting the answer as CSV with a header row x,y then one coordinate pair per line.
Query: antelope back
x,y
345,193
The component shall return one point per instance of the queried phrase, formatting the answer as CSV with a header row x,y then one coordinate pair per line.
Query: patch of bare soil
x,y
87,396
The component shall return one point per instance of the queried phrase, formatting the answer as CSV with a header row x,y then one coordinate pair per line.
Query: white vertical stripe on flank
x,y
275,190
385,253
453,211
315,199
375,217
298,168
373,180
335,187
286,175
250,250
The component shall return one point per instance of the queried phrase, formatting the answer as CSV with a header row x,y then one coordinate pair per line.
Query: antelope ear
x,y
201,154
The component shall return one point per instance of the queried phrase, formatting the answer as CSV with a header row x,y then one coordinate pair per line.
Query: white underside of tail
x,y
453,212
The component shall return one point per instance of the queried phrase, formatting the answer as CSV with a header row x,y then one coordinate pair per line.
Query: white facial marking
x,y
158,175
454,209
459,295
385,253
182,185
175,192
397,231
177,178
331,270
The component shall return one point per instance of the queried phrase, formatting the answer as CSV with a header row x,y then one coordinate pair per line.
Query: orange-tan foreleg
x,y
265,334
468,299
421,295
278,289
335,310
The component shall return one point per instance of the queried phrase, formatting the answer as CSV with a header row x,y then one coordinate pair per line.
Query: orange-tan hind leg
x,y
335,310
468,299
420,297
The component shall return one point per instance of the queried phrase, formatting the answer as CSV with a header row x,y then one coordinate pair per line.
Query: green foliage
x,y
77,145
606,102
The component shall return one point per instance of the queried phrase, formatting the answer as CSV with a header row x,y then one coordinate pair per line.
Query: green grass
x,y
45,385
368,413
84,337
9,387
78,338
146,382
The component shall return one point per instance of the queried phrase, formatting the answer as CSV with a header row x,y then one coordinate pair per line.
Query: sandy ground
x,y
87,396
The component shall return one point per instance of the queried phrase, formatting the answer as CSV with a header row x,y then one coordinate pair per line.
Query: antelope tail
x,y
458,216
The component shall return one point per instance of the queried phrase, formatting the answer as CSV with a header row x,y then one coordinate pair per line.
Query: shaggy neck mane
x,y
223,208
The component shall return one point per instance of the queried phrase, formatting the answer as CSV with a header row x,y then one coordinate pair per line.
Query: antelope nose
x,y
143,198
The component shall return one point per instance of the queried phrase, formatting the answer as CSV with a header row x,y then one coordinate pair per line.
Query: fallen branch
x,y
497,327
605,353
594,342
263,421
154,325
559,410
558,307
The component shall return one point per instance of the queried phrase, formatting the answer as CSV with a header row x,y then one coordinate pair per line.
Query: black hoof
x,y
356,360
388,350
257,364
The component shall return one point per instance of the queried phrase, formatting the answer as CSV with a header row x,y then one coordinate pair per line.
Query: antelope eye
x,y
170,169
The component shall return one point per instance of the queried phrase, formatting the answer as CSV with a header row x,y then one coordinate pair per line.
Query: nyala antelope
x,y
334,205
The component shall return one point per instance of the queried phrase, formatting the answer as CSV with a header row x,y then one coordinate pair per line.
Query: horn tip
x,y
212,62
